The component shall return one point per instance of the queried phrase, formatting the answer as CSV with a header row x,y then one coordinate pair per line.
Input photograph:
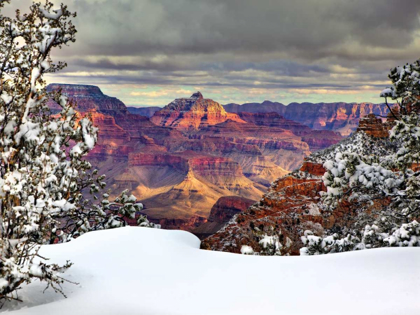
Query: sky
x,y
149,52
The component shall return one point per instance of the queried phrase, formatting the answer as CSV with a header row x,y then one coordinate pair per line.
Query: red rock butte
x,y
194,112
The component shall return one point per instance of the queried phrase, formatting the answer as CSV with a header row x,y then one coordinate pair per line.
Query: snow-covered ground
x,y
148,271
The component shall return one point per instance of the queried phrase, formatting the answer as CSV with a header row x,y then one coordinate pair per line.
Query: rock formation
x,y
373,126
194,112
89,97
340,117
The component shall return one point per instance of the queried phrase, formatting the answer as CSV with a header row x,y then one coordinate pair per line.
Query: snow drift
x,y
148,271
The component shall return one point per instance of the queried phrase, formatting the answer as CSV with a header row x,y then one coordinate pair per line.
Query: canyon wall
x,y
341,117
191,154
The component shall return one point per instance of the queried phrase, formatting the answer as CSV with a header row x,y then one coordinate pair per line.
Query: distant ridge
x,y
341,117
144,111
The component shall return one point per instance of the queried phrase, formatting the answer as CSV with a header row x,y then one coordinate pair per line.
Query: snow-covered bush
x,y
269,245
372,236
42,170
247,250
362,179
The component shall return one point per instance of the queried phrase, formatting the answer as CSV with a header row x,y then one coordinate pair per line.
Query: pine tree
x,y
43,172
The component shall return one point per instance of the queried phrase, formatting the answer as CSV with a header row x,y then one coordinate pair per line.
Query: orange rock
x,y
373,126
192,113
313,168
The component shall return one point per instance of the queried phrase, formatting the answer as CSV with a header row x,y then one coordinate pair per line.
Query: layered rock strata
x,y
340,117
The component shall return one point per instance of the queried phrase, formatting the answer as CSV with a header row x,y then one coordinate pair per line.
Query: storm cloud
x,y
241,50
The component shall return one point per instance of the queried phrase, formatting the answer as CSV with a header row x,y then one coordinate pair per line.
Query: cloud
x,y
336,47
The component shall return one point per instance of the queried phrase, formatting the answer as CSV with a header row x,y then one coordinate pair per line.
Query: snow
x,y
247,250
53,16
149,271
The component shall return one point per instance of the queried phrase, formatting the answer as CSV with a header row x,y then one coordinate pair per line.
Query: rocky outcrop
x,y
312,168
191,113
374,126
175,187
110,132
340,117
226,207
158,159
288,206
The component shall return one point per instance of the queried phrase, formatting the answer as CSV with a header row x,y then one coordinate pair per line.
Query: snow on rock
x,y
148,271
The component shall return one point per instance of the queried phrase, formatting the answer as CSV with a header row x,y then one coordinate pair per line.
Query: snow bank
x,y
149,271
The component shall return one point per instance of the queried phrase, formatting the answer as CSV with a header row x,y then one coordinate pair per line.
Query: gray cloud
x,y
272,44
246,26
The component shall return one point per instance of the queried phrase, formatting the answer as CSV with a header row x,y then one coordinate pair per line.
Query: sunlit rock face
x,y
374,126
194,112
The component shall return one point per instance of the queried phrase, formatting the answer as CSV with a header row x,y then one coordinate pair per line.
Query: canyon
x,y
186,157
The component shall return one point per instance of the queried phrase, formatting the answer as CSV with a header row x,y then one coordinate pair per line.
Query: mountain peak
x,y
197,95
194,112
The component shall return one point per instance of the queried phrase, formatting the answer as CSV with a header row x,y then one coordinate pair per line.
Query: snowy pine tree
x,y
394,176
42,169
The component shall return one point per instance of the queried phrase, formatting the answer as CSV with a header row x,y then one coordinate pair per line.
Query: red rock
x,y
192,113
313,168
158,159
373,126
286,207
273,119
109,131
180,173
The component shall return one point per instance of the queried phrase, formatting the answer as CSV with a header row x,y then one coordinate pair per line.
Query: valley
x,y
185,157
